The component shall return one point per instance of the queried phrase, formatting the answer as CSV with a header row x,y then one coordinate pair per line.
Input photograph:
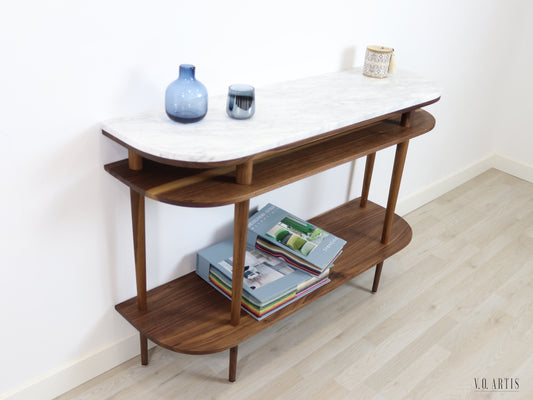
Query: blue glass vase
x,y
186,98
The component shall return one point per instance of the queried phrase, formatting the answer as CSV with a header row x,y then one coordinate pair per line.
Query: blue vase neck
x,y
187,71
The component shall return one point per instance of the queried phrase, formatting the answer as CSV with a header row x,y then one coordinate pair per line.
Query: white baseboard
x,y
62,380
431,192
437,189
79,371
512,167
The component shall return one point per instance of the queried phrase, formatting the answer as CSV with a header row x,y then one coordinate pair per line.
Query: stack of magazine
x,y
286,258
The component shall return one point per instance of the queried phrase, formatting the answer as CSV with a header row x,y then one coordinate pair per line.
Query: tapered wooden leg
x,y
135,161
397,172
406,119
144,349
239,251
377,275
245,172
233,363
369,168
139,246
240,228
399,162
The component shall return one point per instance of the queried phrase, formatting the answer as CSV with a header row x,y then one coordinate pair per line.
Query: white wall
x,y
513,132
66,65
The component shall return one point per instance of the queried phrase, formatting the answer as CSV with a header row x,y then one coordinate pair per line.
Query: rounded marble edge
x,y
224,139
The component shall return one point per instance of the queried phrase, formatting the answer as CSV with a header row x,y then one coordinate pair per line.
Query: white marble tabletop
x,y
285,113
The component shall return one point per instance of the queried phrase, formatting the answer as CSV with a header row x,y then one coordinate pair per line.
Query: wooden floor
x,y
454,307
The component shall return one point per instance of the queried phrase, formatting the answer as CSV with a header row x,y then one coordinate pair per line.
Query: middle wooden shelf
x,y
197,187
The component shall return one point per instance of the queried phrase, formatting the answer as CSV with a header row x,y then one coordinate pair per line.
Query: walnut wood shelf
x,y
189,316
196,187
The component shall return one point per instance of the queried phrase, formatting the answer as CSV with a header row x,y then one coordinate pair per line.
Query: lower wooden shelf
x,y
187,315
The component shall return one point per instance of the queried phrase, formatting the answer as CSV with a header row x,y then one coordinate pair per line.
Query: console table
x,y
300,128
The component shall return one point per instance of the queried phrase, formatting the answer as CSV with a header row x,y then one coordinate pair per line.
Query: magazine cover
x,y
281,234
